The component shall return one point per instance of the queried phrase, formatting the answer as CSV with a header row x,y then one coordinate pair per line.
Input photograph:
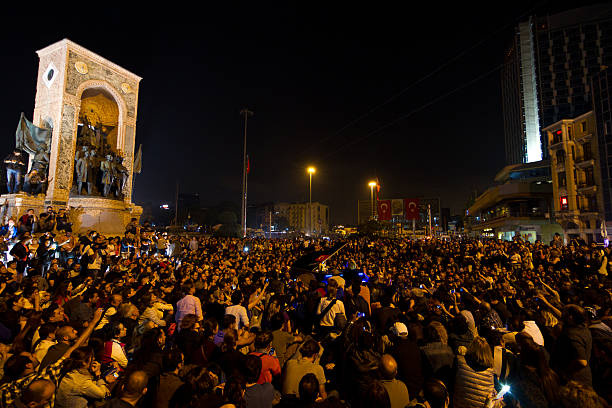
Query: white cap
x,y
399,329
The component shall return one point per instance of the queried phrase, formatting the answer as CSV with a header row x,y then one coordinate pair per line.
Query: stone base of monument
x,y
105,215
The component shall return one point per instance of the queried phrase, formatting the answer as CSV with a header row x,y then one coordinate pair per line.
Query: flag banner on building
x,y
384,210
411,205
397,207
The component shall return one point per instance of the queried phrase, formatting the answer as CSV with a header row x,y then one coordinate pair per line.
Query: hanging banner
x,y
384,210
411,205
397,207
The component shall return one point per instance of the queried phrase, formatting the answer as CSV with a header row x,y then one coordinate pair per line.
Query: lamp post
x,y
372,184
311,170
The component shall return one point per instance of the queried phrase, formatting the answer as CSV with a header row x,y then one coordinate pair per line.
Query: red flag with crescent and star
x,y
411,206
384,210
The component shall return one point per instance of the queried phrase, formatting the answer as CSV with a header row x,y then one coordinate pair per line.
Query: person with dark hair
x,y
270,367
46,333
65,336
375,396
534,383
438,357
295,369
435,394
572,352
230,359
233,393
77,388
169,380
37,394
460,334
256,395
396,389
309,392
237,310
114,348
132,390
189,304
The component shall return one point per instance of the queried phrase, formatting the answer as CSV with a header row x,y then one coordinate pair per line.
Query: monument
x,y
80,143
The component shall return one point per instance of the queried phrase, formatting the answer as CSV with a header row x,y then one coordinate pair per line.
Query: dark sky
x,y
308,72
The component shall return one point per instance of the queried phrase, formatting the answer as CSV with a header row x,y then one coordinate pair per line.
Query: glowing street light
x,y
372,184
311,170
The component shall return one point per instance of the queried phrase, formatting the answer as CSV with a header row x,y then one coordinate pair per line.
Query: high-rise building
x,y
602,92
547,75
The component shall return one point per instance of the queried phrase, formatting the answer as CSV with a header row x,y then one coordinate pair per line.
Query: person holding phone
x,y
79,386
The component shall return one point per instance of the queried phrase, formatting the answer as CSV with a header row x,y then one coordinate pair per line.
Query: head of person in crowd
x,y
479,355
134,388
37,394
309,388
252,369
190,322
436,394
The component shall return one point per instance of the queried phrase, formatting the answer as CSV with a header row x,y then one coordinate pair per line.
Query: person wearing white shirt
x,y
327,319
236,309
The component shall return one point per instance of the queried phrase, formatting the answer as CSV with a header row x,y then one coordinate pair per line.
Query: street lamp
x,y
372,184
311,170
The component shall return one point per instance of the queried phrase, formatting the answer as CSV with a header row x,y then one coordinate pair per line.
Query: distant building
x,y
295,215
518,205
577,179
602,108
547,75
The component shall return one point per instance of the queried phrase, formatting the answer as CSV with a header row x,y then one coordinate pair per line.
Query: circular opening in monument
x,y
50,74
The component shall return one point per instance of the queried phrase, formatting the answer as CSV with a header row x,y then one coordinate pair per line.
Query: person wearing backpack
x,y
329,307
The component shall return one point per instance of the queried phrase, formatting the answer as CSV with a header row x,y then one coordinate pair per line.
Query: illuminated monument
x,y
85,100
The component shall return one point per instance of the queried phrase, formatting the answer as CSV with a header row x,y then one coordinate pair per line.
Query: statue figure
x,y
15,165
88,136
41,160
106,167
93,168
120,175
82,166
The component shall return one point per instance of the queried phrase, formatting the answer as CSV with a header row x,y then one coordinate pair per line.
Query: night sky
x,y
317,78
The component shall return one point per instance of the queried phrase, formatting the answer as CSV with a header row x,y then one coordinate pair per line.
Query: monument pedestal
x,y
105,215
19,203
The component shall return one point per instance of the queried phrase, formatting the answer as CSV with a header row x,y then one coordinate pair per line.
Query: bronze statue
x,y
82,166
120,174
106,167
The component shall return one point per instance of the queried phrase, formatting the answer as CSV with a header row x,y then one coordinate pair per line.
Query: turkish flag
x,y
384,210
411,206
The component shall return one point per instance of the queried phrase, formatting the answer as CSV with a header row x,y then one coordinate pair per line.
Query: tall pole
x,y
372,199
246,114
311,170
176,205
429,216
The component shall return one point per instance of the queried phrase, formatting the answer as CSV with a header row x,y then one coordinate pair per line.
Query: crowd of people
x,y
153,320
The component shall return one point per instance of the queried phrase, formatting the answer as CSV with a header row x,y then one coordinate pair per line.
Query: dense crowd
x,y
153,320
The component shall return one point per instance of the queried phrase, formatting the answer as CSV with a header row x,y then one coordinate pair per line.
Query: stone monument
x,y
87,101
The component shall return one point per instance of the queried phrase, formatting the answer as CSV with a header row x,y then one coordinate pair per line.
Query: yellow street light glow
x,y
312,170
372,184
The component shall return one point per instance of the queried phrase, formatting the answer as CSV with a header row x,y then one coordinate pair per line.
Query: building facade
x,y
297,216
602,109
577,180
547,75
519,205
